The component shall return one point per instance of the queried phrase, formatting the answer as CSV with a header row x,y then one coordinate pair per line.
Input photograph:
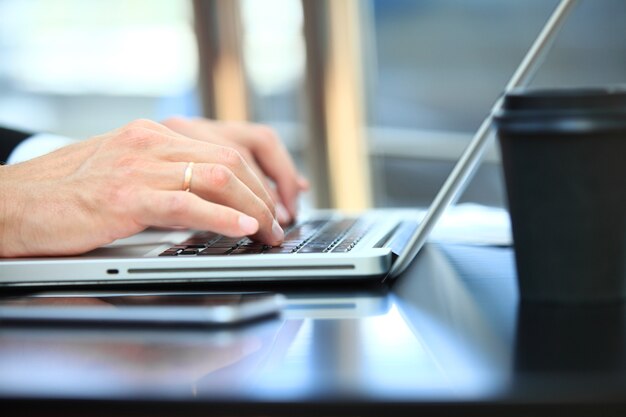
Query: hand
x,y
262,150
115,185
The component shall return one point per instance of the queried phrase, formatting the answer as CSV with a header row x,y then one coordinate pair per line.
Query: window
x,y
81,68
274,58
439,65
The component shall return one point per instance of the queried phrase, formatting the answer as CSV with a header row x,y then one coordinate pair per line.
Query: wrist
x,y
4,215
10,219
37,145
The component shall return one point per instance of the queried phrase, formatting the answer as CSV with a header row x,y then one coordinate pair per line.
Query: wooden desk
x,y
448,338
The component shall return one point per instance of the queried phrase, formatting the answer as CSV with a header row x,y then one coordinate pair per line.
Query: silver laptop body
x,y
139,259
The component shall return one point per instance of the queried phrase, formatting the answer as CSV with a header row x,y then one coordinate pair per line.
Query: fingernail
x,y
282,214
249,225
277,232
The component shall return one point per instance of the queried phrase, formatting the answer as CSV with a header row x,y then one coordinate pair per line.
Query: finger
x,y
179,208
282,215
272,157
218,184
249,158
204,130
212,182
173,179
184,149
209,131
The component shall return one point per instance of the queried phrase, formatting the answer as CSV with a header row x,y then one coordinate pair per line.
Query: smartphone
x,y
164,309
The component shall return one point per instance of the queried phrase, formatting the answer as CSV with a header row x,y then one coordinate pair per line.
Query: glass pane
x,y
274,58
80,68
441,64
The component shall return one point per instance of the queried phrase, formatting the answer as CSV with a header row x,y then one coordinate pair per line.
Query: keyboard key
x,y
308,249
343,247
255,245
315,245
214,251
196,246
170,252
278,249
246,251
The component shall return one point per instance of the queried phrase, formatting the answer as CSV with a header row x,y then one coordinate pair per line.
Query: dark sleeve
x,y
9,139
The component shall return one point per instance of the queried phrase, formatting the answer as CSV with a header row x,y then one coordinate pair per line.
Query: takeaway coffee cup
x,y
564,160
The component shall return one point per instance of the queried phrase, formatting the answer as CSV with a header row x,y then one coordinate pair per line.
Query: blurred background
x,y
375,99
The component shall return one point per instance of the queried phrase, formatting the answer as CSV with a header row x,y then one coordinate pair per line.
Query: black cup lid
x,y
567,110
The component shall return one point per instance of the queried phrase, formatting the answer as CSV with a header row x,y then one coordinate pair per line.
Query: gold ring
x,y
188,174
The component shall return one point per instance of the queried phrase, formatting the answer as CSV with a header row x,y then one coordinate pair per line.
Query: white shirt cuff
x,y
37,145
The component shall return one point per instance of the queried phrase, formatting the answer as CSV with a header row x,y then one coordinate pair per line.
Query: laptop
x,y
376,245
322,245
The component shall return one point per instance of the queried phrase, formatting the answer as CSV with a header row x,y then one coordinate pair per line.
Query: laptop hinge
x,y
399,236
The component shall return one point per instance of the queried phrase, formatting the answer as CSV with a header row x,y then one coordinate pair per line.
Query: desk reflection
x,y
462,309
449,331
108,360
58,361
571,351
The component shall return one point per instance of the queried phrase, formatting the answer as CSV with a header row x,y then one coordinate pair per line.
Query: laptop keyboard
x,y
315,236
